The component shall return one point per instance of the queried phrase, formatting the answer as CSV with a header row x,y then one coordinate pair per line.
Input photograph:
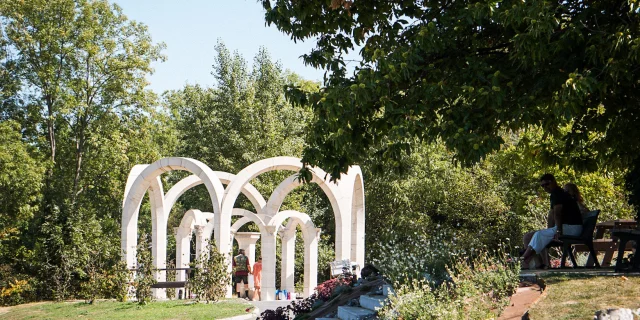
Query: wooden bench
x,y
609,246
169,284
625,237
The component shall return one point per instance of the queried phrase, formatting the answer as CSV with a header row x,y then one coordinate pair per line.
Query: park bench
x,y
338,267
607,245
585,239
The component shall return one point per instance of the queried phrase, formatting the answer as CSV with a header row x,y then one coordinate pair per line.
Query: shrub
x,y
211,279
480,285
16,292
145,273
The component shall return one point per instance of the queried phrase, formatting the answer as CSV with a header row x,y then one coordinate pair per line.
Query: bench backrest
x,y
589,224
337,267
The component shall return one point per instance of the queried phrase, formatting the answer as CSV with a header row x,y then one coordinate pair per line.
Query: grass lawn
x,y
579,298
127,310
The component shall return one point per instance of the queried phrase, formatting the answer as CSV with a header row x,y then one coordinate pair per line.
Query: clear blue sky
x,y
191,28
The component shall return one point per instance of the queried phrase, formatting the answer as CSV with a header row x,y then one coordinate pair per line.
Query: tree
x,y
83,60
20,182
73,75
466,72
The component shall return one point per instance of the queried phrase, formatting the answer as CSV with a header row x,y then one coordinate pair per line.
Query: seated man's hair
x,y
548,177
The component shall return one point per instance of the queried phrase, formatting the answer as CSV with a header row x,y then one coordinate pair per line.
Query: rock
x,y
614,314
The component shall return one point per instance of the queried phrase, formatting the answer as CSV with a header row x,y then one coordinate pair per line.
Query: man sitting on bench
x,y
566,215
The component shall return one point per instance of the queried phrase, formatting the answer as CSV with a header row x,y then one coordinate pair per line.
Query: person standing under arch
x,y
257,278
241,270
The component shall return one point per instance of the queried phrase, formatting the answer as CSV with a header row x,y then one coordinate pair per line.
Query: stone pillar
x,y
159,248
268,290
200,241
311,262
183,237
247,241
288,256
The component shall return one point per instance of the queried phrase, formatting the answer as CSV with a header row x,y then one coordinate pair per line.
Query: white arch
x,y
284,163
310,237
182,186
143,180
192,218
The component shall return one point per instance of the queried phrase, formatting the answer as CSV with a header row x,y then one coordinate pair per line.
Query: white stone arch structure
x,y
346,198
193,220
311,236
146,178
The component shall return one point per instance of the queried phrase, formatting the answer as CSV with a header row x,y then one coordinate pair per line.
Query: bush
x,y
479,287
16,292
145,272
211,278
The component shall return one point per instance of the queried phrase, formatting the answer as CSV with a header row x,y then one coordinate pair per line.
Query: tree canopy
x,y
466,72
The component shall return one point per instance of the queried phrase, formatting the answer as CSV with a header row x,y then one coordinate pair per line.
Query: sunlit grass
x,y
580,298
128,310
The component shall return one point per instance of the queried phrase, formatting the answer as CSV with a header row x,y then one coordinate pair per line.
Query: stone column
x,y
268,290
158,238
200,243
311,262
247,241
288,256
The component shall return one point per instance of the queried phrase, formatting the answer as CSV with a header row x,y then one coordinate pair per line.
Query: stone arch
x,y
148,179
192,220
310,236
284,163
182,186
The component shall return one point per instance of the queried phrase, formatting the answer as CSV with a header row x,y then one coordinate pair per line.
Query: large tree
x,y
465,72
80,69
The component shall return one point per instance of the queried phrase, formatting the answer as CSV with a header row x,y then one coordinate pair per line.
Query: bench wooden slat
x,y
170,284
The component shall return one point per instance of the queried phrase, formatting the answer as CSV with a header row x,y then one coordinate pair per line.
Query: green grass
x,y
580,297
127,310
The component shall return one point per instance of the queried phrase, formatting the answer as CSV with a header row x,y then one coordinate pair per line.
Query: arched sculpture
x,y
346,198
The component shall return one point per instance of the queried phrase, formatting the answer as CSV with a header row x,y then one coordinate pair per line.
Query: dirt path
x,y
4,310
520,302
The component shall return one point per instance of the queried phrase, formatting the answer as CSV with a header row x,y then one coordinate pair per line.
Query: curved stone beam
x,y
303,218
143,181
182,186
251,217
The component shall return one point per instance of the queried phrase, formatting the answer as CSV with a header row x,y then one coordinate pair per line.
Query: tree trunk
x,y
80,142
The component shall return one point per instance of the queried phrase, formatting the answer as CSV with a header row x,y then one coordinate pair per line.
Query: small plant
x,y
171,276
145,273
211,279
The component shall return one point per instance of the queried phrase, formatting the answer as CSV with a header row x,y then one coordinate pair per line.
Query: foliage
x,y
465,72
325,290
145,271
211,278
20,179
75,116
480,286
171,276
105,281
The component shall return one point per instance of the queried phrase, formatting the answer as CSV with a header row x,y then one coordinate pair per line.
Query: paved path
x,y
260,306
270,305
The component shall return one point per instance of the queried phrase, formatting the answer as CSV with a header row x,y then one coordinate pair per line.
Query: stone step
x,y
354,313
387,290
373,302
